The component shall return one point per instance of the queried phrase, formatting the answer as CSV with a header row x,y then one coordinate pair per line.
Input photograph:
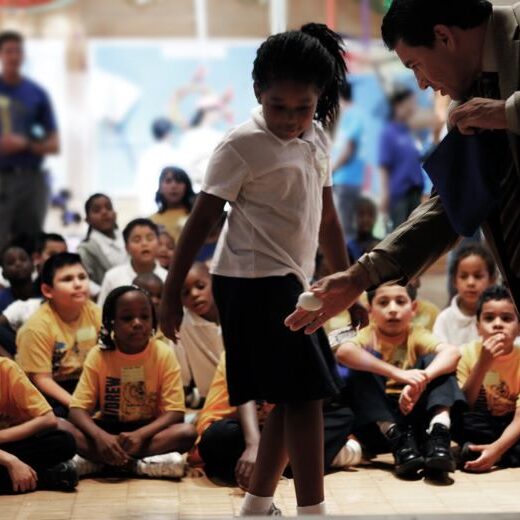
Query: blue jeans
x,y
345,199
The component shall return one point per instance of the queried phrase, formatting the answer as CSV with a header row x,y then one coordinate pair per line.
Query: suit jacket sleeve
x,y
412,247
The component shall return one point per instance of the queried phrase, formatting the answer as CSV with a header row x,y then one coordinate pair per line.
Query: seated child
x,y
33,454
166,250
200,334
17,269
365,241
472,271
141,237
134,382
52,345
489,374
48,244
103,247
228,435
401,385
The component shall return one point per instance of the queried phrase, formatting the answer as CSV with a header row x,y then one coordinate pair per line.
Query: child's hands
x,y
408,398
23,477
489,455
244,467
418,379
108,447
493,347
171,314
131,442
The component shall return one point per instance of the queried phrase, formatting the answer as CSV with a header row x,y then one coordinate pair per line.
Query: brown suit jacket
x,y
428,234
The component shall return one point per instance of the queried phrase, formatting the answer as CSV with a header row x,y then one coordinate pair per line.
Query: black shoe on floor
x,y
62,477
408,459
437,451
467,455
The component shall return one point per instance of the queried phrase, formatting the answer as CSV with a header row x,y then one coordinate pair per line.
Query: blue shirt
x,y
25,109
400,156
6,298
350,128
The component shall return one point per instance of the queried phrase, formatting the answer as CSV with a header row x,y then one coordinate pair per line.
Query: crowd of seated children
x,y
472,271
141,237
54,342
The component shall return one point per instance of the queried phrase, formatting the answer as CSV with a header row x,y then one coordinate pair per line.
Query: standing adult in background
x,y
402,182
449,45
348,166
28,133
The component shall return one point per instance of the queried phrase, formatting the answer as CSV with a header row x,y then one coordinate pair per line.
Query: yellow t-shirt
x,y
501,385
130,387
20,400
47,344
172,220
420,342
426,314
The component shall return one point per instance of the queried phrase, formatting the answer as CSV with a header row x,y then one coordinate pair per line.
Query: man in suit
x,y
450,45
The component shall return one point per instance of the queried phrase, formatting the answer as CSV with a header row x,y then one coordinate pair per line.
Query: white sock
x,y
349,455
442,417
384,426
255,506
86,467
316,509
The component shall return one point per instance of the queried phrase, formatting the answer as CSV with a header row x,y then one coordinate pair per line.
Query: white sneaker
x,y
350,455
86,467
167,465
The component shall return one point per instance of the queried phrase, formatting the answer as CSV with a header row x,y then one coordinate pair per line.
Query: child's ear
x,y
47,291
414,307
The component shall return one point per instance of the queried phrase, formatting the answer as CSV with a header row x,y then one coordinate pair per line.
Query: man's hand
x,y
479,113
489,456
171,314
337,292
13,143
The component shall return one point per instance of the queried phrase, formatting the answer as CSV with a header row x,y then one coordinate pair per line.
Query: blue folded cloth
x,y
465,171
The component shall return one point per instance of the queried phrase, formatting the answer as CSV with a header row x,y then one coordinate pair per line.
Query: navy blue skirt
x,y
264,359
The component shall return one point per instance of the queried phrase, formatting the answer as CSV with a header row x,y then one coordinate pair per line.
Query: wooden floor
x,y
365,490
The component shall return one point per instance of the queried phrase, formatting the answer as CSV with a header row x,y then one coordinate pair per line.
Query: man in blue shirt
x,y
28,133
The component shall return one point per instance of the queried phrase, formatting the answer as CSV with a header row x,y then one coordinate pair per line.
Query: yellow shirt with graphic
x,y
20,400
420,342
130,387
426,314
47,344
500,391
172,220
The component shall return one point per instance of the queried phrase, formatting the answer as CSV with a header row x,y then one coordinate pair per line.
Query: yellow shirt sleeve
x,y
172,393
85,395
24,396
363,338
34,349
464,366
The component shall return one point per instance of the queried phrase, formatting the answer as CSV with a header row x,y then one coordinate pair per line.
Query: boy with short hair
x,y
33,454
141,237
489,374
52,345
401,384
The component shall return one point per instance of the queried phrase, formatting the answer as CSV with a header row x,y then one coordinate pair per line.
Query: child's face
x,y
70,287
165,250
154,288
17,265
392,310
288,107
196,292
366,219
101,215
142,244
471,279
499,317
51,248
133,322
172,190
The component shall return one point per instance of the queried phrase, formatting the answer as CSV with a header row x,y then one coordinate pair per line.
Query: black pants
x,y
41,451
222,444
370,403
480,427
8,339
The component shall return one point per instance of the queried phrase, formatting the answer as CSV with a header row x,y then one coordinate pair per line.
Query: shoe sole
x,y
409,468
440,464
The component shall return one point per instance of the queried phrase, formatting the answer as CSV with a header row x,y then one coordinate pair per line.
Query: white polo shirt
x,y
275,189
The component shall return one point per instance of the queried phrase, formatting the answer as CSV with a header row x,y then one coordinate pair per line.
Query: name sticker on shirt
x,y
133,393
86,334
492,378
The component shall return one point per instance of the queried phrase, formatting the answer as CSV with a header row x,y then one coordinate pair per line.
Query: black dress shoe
x,y
408,459
437,451
63,477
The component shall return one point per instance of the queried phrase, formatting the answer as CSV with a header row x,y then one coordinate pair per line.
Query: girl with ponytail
x,y
274,171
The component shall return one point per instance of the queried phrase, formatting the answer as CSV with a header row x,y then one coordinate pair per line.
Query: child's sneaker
x,y
437,449
350,454
86,467
274,511
408,459
61,477
167,465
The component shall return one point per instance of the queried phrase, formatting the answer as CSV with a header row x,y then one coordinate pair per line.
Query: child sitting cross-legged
x,y
489,373
401,384
134,382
